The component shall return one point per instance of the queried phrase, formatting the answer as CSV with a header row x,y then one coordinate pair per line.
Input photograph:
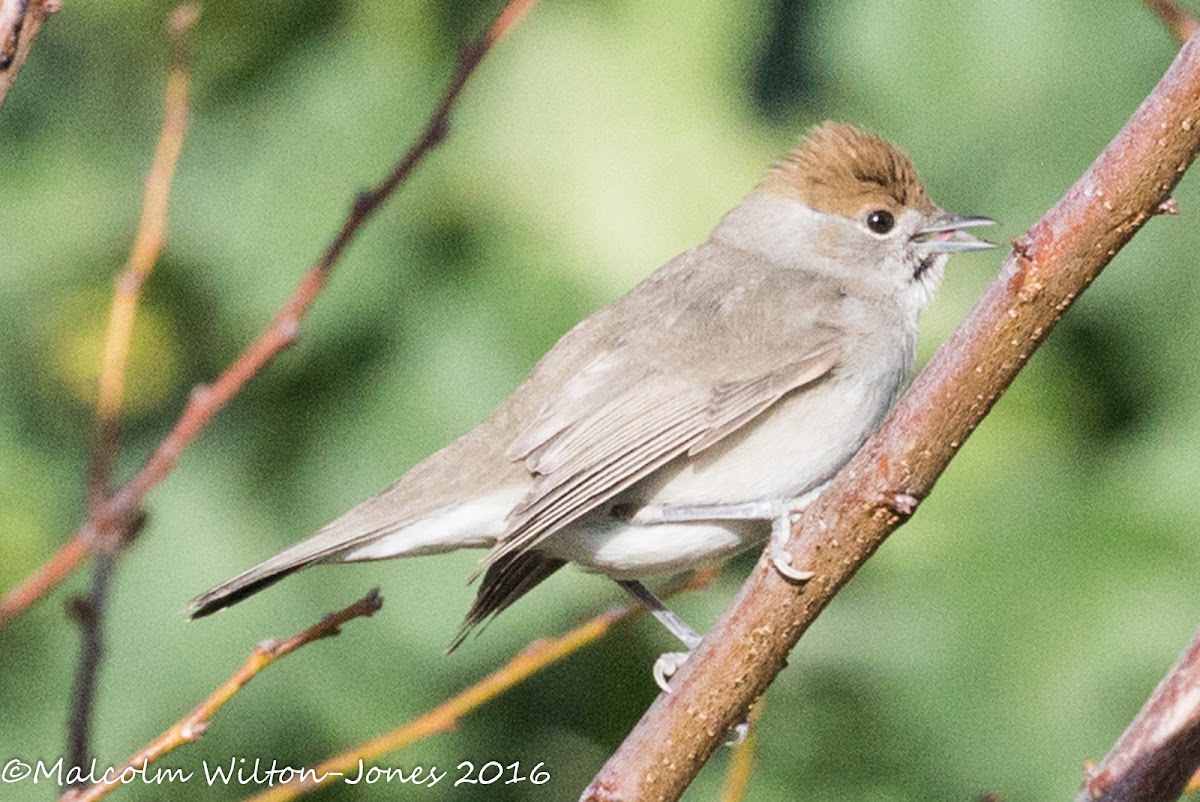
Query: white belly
x,y
622,550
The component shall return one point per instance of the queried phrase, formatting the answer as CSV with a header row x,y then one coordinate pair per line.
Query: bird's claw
x,y
740,732
665,667
780,557
783,564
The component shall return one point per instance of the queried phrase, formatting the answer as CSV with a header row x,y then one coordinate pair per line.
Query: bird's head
x,y
854,206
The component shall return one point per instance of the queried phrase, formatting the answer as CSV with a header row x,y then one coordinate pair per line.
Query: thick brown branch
x,y
1048,269
207,401
20,21
189,728
1160,750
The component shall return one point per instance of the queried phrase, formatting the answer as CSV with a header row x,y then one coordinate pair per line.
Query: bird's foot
x,y
665,667
739,732
781,528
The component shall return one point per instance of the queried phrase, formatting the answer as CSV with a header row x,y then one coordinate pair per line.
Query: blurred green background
x,y
997,642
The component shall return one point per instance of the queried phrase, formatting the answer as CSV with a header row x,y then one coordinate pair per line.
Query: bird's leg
x,y
667,664
778,513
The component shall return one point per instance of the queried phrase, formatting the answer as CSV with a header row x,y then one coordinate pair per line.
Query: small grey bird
x,y
683,423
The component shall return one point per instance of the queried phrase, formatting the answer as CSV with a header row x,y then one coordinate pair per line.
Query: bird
x,y
686,421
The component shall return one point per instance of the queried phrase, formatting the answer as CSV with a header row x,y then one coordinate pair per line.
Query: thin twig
x,y
882,485
207,400
189,728
1176,18
532,659
89,615
147,245
1160,750
20,21
443,718
44,578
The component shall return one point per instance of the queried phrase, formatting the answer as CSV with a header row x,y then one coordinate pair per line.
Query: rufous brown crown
x,y
841,169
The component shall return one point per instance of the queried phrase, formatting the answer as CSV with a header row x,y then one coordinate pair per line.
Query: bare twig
x,y
20,21
535,657
89,615
881,487
147,245
445,716
1175,17
207,400
189,728
44,578
1160,750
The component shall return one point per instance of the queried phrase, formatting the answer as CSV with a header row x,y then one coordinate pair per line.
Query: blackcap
x,y
685,422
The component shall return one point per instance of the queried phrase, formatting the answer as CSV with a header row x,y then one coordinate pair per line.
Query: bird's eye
x,y
880,221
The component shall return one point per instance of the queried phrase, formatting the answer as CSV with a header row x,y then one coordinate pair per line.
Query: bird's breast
x,y
796,445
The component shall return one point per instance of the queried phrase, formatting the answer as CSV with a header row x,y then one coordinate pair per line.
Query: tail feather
x,y
326,545
506,580
234,591
261,576
371,531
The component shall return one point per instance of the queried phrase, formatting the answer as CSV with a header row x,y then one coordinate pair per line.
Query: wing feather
x,y
636,431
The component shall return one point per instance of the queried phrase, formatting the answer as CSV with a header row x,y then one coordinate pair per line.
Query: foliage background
x,y
1002,638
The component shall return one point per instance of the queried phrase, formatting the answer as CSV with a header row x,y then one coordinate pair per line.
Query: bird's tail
x,y
371,531
253,580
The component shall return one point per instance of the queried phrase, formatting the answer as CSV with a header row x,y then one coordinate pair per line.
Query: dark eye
x,y
880,221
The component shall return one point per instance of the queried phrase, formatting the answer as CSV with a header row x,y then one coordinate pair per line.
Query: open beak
x,y
946,234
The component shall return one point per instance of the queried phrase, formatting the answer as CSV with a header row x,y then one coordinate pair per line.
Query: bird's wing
x,y
617,422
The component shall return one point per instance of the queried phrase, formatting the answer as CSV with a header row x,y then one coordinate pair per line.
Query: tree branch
x,y
444,717
20,21
147,245
1157,754
189,728
1178,21
535,657
880,488
89,615
207,400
